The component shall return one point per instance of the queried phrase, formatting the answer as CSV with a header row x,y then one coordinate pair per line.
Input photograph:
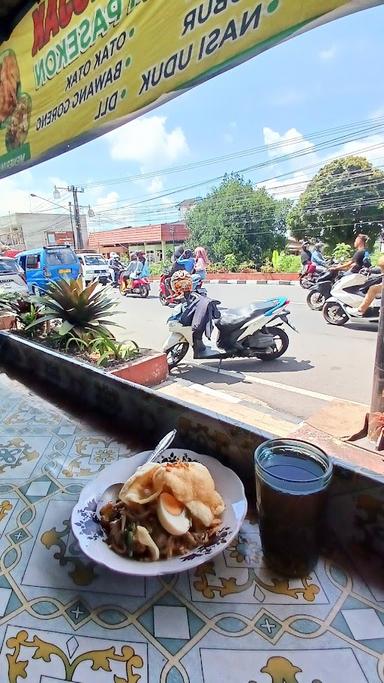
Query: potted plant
x,y
17,312
75,319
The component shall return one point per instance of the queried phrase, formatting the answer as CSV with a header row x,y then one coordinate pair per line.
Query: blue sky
x,y
328,77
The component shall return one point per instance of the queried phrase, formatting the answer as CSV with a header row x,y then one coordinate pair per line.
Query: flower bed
x,y
73,320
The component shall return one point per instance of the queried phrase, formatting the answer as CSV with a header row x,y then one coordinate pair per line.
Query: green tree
x,y
340,201
236,219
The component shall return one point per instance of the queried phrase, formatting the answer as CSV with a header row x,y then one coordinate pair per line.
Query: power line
x,y
365,126
133,203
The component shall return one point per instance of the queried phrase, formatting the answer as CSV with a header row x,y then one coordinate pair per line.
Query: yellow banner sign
x,y
74,69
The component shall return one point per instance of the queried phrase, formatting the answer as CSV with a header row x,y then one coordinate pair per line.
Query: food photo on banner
x,y
73,70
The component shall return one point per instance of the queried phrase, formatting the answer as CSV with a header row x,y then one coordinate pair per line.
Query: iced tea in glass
x,y
292,478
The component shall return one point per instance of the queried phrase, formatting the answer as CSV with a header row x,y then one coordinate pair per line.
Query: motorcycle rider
x,y
187,261
116,266
179,251
318,259
129,269
359,258
305,254
373,292
143,259
141,269
196,311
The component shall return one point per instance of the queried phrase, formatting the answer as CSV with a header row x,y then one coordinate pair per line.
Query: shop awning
x,y
72,70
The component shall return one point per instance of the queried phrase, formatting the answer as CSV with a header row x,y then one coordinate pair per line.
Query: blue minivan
x,y
48,264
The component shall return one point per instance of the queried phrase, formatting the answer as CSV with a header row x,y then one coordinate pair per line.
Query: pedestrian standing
x,y
201,262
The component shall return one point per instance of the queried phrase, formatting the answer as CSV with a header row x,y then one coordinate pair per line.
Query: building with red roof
x,y
152,239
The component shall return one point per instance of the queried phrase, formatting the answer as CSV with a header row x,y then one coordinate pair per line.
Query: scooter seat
x,y
232,318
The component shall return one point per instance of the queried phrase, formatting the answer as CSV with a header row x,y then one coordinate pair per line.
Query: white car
x,y
94,267
12,278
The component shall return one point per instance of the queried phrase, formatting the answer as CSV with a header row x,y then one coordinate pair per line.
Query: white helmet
x,y
114,255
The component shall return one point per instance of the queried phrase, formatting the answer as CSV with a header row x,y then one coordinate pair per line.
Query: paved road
x,y
322,361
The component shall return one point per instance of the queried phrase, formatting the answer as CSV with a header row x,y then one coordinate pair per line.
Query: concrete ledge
x,y
149,370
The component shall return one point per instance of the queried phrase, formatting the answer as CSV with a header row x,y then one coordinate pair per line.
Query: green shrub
x,y
267,266
288,263
375,257
26,313
81,310
216,268
246,267
231,262
342,252
156,269
275,259
108,349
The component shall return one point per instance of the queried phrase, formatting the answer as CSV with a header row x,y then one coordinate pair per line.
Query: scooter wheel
x,y
176,354
163,300
306,282
281,343
144,291
315,300
334,314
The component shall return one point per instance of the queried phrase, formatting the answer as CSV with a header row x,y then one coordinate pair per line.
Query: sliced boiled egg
x,y
172,515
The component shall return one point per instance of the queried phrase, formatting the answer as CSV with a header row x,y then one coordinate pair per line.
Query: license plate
x,y
64,271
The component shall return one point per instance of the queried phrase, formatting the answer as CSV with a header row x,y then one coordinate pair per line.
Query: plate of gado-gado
x,y
164,517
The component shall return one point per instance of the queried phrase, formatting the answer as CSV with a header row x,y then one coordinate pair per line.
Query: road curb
x,y
251,282
245,282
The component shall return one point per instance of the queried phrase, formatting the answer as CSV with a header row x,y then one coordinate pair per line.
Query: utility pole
x,y
76,210
71,217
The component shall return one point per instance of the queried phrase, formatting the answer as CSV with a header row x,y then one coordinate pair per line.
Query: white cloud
x,y
107,201
148,142
156,185
328,54
292,141
110,213
290,187
15,194
372,148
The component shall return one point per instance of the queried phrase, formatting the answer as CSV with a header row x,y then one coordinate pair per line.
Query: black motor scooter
x,y
321,291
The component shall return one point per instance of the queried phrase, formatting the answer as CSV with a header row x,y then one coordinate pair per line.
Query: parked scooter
x,y
166,294
347,294
242,333
140,286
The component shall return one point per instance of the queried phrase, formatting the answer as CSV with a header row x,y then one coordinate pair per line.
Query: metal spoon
x,y
111,493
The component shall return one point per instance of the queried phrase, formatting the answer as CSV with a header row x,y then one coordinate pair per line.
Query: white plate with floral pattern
x,y
91,536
